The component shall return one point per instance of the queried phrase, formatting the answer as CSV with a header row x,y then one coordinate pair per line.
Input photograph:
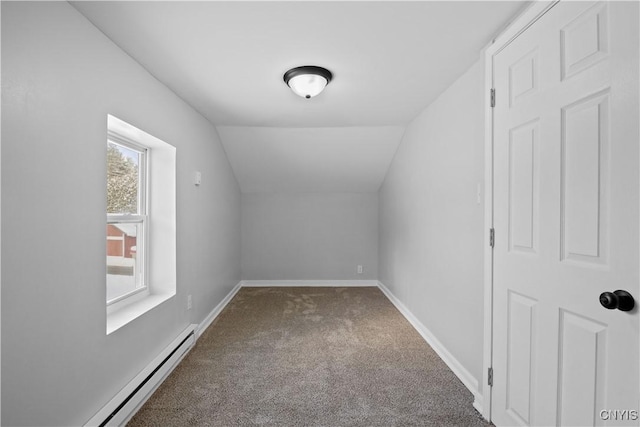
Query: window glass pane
x,y
123,179
124,263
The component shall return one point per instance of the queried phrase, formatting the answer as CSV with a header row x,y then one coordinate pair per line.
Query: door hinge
x,y
492,237
490,377
493,98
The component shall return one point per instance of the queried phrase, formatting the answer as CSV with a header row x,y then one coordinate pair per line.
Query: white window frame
x,y
159,238
142,218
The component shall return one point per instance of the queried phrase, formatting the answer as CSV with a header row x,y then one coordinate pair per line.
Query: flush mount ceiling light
x,y
307,81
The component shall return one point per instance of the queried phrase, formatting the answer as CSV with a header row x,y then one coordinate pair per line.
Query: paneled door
x,y
566,215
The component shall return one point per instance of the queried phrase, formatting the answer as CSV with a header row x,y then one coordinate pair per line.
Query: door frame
x,y
523,21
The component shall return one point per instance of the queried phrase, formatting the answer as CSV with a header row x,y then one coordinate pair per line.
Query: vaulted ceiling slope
x,y
226,59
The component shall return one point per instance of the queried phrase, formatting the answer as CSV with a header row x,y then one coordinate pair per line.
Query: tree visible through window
x,y
122,179
126,218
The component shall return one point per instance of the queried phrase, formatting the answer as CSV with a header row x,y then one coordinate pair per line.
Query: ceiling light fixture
x,y
307,81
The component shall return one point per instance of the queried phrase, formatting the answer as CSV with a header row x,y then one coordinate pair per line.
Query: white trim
x,y
142,216
142,395
217,310
125,299
460,371
478,403
487,355
134,306
519,24
305,283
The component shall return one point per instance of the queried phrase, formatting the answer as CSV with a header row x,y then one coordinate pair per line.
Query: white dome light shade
x,y
307,81
307,85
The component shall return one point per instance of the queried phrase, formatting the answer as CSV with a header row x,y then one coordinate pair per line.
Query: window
x,y
140,223
126,218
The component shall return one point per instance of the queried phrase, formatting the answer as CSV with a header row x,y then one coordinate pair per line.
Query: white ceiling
x,y
389,59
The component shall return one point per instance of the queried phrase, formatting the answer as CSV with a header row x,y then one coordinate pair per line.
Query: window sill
x,y
126,314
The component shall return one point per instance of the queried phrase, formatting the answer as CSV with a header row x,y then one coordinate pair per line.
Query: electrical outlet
x,y
189,302
359,269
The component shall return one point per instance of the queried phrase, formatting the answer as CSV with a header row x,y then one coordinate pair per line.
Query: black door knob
x,y
622,300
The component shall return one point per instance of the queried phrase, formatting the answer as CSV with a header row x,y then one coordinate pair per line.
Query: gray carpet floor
x,y
310,357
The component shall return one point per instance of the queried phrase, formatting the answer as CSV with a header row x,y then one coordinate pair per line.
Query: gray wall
x,y
60,79
309,236
431,241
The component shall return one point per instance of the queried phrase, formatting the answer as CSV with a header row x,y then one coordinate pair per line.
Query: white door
x,y
566,215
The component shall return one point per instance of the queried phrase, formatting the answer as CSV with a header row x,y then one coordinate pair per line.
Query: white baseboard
x,y
217,310
303,283
119,410
461,372
478,403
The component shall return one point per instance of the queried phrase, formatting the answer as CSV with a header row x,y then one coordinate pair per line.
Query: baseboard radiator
x,y
126,403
